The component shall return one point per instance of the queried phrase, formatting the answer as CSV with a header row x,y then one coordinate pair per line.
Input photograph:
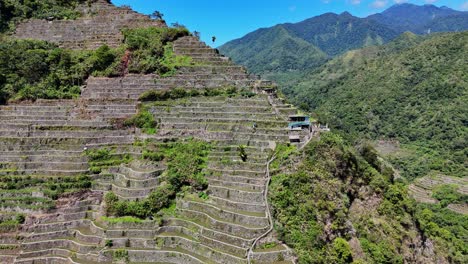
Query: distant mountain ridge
x,y
420,19
307,44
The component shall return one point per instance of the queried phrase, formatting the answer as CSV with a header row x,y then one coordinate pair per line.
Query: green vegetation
x,y
35,69
143,120
52,187
312,204
287,52
399,91
268,245
242,152
281,154
274,50
11,222
448,229
185,163
179,93
448,194
109,243
119,220
340,200
31,69
104,158
149,49
121,254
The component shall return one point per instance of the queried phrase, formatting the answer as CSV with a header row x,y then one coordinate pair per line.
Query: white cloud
x,y
292,8
355,2
430,1
379,4
464,6
400,1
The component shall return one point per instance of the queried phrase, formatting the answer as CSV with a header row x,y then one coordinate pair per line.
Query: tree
x,y
177,25
157,15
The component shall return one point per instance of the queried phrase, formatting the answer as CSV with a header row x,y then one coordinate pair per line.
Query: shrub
x,y
144,120
242,152
101,154
341,251
203,195
153,95
109,243
161,198
448,194
20,218
121,254
153,156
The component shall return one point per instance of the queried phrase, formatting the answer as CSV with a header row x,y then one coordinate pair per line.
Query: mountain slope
x,y
334,203
336,34
415,93
274,49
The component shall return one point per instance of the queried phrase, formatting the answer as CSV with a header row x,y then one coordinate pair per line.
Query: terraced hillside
x,y
454,190
100,23
59,159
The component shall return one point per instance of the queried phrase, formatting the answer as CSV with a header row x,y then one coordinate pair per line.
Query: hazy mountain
x,y
422,19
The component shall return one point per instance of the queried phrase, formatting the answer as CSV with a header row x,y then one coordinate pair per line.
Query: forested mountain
x,y
414,90
309,42
331,35
285,51
335,34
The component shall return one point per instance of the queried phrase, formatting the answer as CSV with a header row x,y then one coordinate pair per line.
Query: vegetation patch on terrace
x,y
104,158
185,162
143,120
51,187
180,93
10,222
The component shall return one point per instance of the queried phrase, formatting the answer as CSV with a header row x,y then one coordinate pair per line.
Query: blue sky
x,y
231,19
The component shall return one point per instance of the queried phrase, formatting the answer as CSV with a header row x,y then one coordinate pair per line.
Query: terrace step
x,y
240,231
227,216
210,254
236,195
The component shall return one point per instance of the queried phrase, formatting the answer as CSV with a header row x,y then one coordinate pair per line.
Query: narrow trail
x,y
270,219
